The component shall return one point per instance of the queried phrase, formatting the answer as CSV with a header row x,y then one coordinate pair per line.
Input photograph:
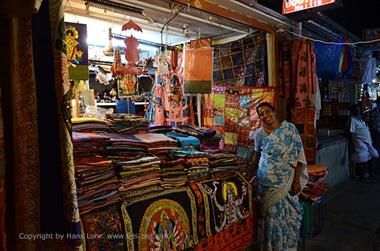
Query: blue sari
x,y
280,152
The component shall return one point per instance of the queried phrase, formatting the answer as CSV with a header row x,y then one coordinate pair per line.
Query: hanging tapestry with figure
x,y
228,213
161,221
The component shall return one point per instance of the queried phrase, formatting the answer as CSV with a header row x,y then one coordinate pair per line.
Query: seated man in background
x,y
363,150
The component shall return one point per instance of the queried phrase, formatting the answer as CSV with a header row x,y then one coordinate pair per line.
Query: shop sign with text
x,y
289,6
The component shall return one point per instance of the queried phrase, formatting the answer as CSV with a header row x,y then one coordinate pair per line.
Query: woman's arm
x,y
296,186
253,165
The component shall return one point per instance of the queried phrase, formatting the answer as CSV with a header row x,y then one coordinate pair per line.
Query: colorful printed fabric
x,y
161,221
280,153
226,213
198,67
208,110
103,229
304,121
285,80
169,100
241,62
305,69
234,115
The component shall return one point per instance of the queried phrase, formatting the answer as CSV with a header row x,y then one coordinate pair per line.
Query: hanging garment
x,y
198,67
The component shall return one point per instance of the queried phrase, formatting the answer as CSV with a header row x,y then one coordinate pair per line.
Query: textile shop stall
x,y
176,178
143,191
169,184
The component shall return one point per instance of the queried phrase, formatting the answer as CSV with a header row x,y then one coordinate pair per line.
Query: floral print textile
x,y
280,152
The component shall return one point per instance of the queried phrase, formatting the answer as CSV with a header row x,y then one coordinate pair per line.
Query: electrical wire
x,y
326,42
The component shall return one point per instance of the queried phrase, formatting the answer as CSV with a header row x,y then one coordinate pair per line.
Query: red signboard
x,y
289,6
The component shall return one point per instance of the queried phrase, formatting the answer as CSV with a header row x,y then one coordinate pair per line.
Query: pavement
x,y
351,218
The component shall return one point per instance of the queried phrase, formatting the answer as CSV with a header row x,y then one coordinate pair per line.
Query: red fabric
x,y
236,237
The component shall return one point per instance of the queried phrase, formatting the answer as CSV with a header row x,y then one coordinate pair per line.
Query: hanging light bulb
x,y
108,50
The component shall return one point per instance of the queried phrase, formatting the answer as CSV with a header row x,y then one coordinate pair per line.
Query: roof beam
x,y
230,14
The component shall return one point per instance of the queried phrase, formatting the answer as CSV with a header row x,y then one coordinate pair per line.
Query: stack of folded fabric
x,y
158,144
196,162
222,164
139,177
160,129
173,173
89,125
89,144
211,144
127,123
200,132
97,184
124,147
316,185
209,139
183,139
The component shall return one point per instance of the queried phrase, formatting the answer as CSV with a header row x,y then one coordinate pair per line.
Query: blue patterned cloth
x,y
280,152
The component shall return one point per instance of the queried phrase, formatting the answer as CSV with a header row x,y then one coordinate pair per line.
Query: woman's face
x,y
266,115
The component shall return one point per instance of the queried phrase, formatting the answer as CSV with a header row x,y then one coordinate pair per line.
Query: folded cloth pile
x,y
127,123
89,125
123,147
138,177
97,184
209,139
183,139
196,162
316,185
222,164
160,129
88,144
158,144
173,173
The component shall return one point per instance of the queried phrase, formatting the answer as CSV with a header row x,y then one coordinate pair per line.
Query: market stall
x,y
175,176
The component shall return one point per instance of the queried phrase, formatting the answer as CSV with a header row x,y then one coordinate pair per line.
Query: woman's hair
x,y
353,109
264,104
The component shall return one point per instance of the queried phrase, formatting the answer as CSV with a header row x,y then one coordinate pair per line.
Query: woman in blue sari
x,y
280,162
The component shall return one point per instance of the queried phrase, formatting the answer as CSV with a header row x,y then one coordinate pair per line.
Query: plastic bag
x,y
97,112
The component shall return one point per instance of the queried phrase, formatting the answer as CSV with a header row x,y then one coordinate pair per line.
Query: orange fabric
x,y
198,64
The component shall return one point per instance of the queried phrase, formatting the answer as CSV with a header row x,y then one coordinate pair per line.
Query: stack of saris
x,y
183,139
160,129
89,144
196,162
138,177
89,125
316,185
127,123
124,147
173,173
222,164
209,139
96,182
158,144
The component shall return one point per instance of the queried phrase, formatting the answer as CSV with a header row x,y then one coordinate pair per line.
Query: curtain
x,y
37,185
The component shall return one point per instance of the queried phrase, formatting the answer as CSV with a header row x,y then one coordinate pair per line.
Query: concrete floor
x,y
351,218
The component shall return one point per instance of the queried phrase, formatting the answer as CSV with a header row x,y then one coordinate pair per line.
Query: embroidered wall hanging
x,y
241,62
